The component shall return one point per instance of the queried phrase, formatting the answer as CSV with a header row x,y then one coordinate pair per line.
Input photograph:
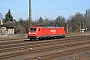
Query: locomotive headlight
x,y
29,33
34,33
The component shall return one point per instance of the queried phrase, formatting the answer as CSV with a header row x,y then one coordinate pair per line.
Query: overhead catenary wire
x,y
43,8
71,5
54,1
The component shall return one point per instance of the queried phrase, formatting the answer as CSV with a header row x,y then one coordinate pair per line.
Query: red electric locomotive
x,y
39,32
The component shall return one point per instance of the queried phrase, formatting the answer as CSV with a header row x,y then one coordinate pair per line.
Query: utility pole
x,y
1,18
30,15
80,27
83,25
86,20
67,27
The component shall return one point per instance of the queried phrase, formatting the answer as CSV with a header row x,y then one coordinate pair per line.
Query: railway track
x,y
15,41
11,39
61,54
84,57
42,46
22,46
45,41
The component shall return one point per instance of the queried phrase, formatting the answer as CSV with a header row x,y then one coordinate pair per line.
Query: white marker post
x,y
83,30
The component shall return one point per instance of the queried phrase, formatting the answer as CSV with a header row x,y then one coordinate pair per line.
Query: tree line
x,y
74,24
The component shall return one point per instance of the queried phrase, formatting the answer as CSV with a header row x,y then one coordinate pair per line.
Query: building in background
x,y
6,30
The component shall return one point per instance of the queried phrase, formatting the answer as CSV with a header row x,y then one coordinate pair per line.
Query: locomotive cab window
x,y
32,29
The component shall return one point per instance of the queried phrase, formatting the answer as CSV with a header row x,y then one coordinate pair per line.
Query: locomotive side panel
x,y
51,32
61,30
46,32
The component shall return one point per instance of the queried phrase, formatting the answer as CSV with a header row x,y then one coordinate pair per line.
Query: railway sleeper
x,y
61,54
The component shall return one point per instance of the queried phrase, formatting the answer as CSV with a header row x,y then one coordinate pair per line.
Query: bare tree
x,y
75,21
88,19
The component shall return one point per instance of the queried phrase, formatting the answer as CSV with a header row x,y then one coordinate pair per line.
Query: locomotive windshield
x,y
32,29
